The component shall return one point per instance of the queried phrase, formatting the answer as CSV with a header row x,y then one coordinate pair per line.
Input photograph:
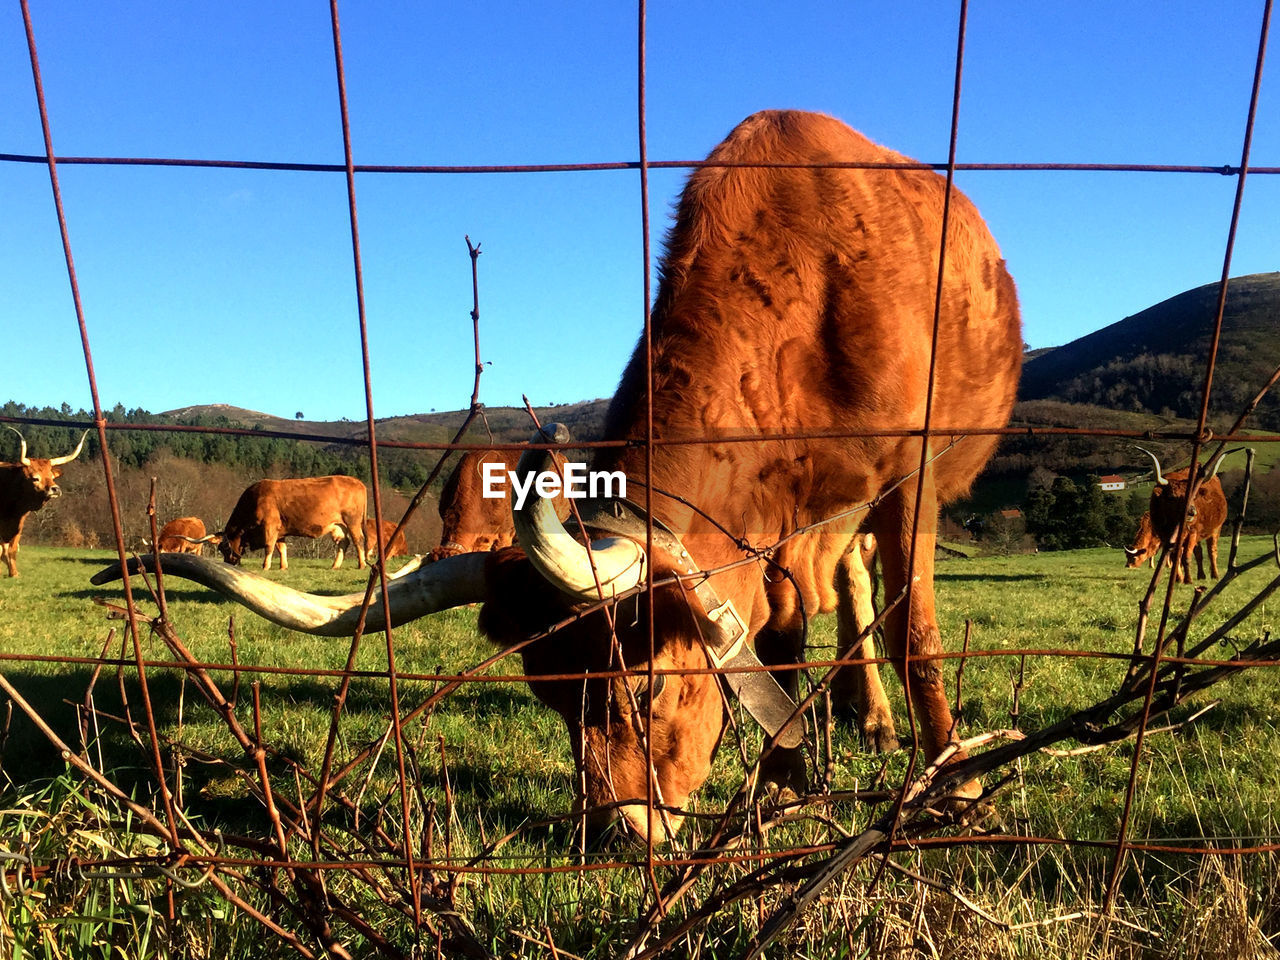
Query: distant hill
x,y
585,420
1154,361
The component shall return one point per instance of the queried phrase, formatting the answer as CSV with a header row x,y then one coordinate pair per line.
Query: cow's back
x,y
796,299
171,536
307,505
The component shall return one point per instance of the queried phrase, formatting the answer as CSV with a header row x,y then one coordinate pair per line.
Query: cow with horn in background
x,y
470,521
802,340
182,535
1204,519
26,486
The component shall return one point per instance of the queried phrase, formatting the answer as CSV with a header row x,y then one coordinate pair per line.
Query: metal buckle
x,y
732,630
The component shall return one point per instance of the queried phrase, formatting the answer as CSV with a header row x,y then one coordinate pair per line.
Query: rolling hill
x,y
1154,361
507,424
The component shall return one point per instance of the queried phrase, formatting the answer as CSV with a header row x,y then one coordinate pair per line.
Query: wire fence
x,y
316,864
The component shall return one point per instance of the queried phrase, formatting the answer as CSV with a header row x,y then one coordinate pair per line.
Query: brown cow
x,y
1204,520
470,521
1145,545
25,486
183,535
396,546
270,510
794,299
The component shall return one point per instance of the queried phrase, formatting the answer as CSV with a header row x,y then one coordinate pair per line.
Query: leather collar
x,y
726,646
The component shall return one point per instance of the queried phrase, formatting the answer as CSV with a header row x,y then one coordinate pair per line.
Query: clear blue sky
x,y
237,286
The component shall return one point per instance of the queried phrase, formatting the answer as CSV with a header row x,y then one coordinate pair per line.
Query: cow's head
x,y
1145,544
42,474
230,545
607,718
556,577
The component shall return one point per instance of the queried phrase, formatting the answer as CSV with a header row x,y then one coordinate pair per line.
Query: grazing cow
x,y
1145,545
1204,520
396,546
270,510
795,300
25,486
470,521
183,535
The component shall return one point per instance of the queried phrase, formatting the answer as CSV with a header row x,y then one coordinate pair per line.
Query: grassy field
x,y
491,761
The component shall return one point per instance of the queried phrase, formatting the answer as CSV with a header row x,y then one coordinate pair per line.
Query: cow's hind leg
x,y
362,547
857,687
340,537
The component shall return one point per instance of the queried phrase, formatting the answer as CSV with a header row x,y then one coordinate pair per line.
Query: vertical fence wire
x,y
117,526
1194,476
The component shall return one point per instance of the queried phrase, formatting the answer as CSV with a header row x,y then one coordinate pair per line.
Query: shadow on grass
x,y
58,697
213,790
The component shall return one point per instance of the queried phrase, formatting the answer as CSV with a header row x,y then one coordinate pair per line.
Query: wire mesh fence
x,y
378,835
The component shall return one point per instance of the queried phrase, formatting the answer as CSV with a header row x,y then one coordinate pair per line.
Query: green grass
x,y
508,764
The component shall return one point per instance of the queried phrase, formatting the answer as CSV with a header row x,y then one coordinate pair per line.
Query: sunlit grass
x,y
506,762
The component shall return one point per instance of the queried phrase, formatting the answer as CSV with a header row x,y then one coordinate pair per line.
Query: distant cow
x,y
1146,545
25,486
396,547
472,522
181,536
270,510
1207,514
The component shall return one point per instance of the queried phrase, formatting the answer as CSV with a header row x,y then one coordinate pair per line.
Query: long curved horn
x,y
618,563
22,453
1131,552
451,582
211,538
59,461
1161,479
1217,462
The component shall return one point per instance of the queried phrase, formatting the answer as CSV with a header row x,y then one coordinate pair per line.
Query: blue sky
x,y
234,286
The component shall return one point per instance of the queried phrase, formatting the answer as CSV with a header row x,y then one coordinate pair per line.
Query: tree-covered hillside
x,y
1154,362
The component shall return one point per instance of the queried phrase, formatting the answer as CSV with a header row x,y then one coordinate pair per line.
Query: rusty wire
x,y
304,816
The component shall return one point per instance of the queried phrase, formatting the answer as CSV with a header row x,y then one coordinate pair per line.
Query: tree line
x,y
244,454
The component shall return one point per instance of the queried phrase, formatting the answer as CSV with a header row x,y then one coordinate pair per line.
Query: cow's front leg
x,y
913,631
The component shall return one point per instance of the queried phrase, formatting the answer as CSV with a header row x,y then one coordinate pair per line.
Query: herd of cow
x,y
270,510
801,339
